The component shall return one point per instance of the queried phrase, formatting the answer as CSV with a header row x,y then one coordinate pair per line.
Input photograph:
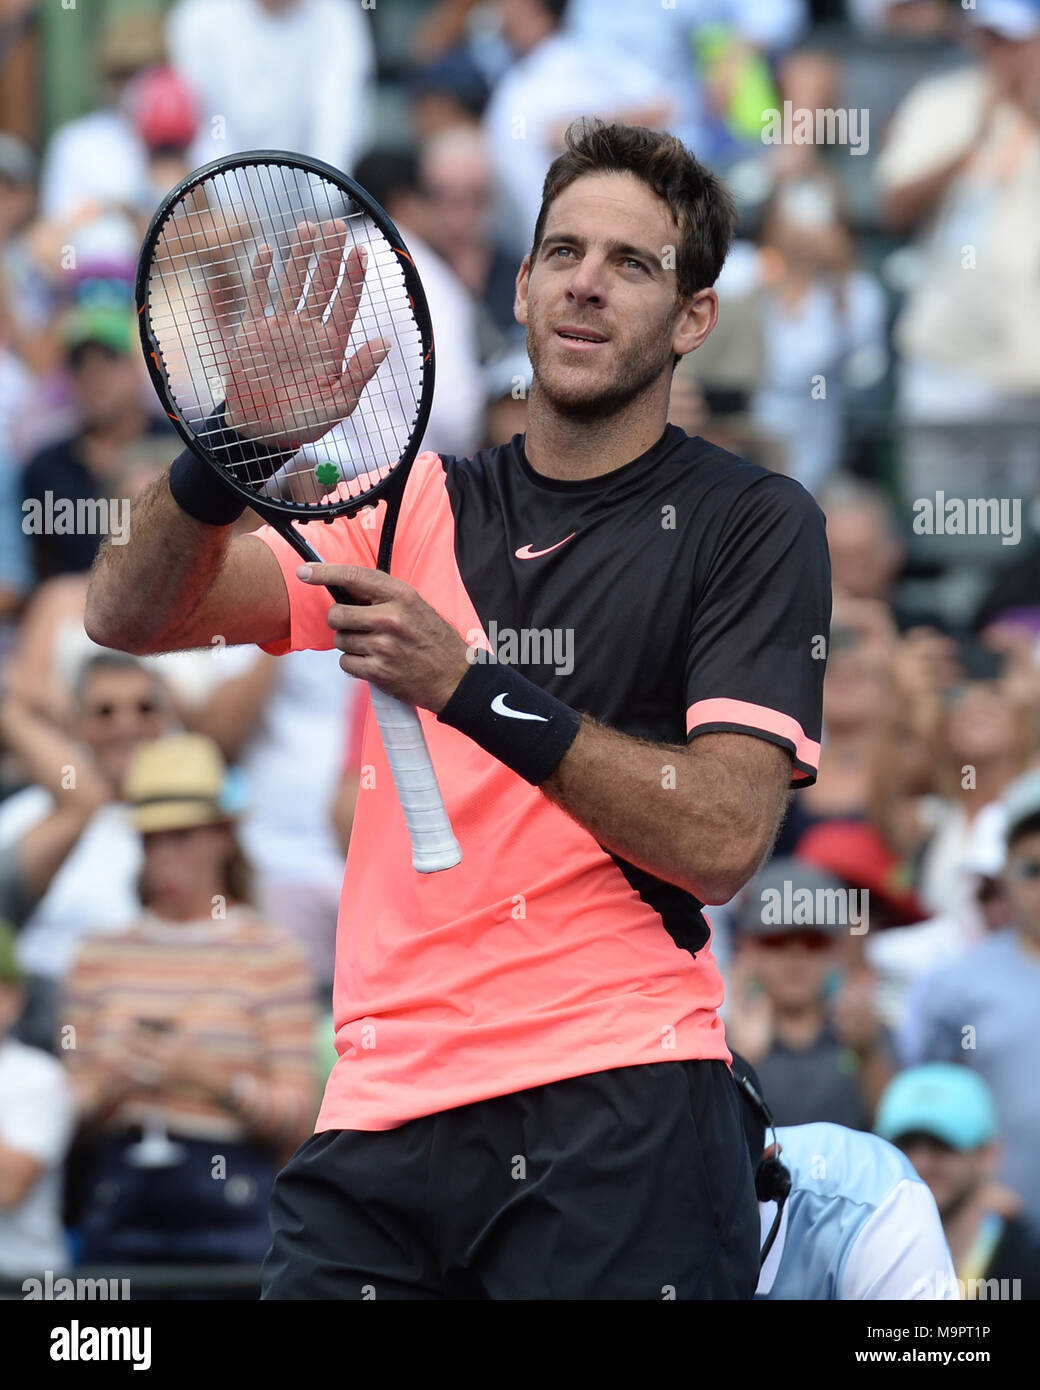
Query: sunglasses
x,y
810,940
1025,870
109,709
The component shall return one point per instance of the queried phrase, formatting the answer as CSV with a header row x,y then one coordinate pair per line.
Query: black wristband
x,y
512,719
199,490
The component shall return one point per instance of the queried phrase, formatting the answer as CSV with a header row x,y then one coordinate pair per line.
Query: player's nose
x,y
587,283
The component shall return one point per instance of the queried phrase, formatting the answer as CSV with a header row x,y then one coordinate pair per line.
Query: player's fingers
x,y
348,297
364,668
301,248
355,644
328,247
357,579
257,291
355,617
358,372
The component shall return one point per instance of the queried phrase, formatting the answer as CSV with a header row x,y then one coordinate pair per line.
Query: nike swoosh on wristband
x,y
526,553
498,704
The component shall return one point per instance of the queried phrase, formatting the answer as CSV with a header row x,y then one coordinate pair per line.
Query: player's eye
x,y
558,250
633,264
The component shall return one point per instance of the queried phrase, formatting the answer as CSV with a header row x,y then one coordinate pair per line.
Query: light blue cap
x,y
947,1101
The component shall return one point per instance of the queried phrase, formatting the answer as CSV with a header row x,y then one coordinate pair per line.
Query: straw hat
x,y
130,42
175,783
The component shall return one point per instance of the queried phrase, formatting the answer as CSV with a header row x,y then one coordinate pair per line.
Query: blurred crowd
x,y
173,829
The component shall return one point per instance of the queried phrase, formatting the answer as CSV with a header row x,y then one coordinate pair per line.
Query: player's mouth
x,y
579,338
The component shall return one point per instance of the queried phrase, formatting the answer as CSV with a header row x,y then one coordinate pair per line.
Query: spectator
x,y
707,54
866,548
457,180
36,1122
855,853
31,862
857,695
943,1118
803,323
163,112
843,1215
822,1055
105,364
823,321
284,722
15,555
557,76
120,704
23,307
983,741
198,1018
507,381
95,168
980,1010
456,419
275,74
960,168
449,93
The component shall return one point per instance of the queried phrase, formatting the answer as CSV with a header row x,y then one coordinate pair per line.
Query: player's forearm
x,y
693,816
142,595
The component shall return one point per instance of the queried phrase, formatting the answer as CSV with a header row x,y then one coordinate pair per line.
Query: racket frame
x,y
441,850
268,507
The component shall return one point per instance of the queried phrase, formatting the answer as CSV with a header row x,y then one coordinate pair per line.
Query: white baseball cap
x,y
1015,20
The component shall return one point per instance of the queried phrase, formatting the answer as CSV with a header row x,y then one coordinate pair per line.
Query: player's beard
x,y
637,365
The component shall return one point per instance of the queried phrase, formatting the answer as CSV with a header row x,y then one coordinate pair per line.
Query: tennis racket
x,y
277,303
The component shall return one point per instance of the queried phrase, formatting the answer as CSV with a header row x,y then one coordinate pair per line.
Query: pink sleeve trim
x,y
743,714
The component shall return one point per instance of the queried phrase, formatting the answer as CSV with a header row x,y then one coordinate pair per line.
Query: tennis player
x,y
532,1096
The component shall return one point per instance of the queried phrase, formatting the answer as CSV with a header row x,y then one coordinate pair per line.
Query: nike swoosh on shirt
x,y
526,553
498,704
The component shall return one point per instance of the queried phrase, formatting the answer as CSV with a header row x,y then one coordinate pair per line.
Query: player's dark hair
x,y
702,206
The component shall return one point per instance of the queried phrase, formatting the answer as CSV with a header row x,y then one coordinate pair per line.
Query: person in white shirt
x,y
276,74
960,169
849,1219
95,168
37,1118
456,423
283,721
557,77
663,36
121,705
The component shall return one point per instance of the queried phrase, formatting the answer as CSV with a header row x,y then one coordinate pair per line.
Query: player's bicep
x,y
761,615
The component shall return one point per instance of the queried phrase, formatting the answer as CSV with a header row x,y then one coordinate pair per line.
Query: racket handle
x,y
434,846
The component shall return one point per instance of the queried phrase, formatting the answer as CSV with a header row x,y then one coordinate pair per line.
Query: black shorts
x,y
629,1184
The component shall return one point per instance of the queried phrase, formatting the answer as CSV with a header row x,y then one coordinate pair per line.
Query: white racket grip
x,y
434,846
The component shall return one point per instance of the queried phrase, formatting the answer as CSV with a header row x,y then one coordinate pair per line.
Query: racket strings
x,y
204,324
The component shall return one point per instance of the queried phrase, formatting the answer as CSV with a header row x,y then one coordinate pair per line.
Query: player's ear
x,y
520,302
698,316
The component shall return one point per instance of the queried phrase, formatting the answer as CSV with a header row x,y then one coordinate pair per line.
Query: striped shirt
x,y
238,991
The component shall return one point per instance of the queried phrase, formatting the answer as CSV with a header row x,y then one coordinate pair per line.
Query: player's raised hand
x,y
287,382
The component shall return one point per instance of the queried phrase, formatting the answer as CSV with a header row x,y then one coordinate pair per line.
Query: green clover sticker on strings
x,y
327,473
